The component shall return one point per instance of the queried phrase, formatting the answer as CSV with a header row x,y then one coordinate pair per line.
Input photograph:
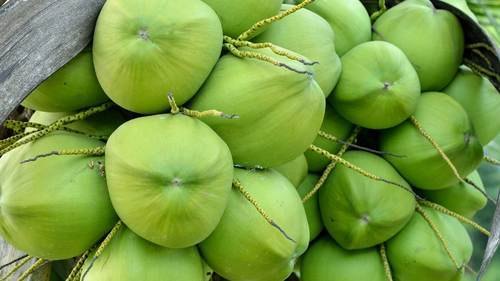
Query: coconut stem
x,y
78,266
249,198
10,140
13,262
97,151
459,217
436,231
102,247
333,138
20,126
21,263
357,169
382,8
39,263
466,181
492,161
197,114
331,166
385,261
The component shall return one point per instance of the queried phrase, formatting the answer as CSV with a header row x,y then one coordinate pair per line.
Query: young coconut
x,y
294,33
359,212
295,171
334,125
460,198
53,208
325,260
432,39
169,178
139,55
244,246
349,20
418,253
447,123
235,16
378,87
129,257
280,110
311,206
480,100
71,88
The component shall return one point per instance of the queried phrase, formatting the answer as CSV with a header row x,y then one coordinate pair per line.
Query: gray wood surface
x,y
38,37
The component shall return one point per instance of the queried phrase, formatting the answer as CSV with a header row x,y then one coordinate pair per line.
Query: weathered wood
x,y
38,37
7,254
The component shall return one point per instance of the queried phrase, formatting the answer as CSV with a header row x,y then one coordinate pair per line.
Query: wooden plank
x,y
38,37
8,253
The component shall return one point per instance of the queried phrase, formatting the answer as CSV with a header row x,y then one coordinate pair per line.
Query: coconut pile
x,y
254,141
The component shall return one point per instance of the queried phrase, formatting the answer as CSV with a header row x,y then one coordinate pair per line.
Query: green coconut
x,y
325,260
432,39
100,124
359,212
128,257
311,206
334,125
417,254
460,198
57,207
145,49
169,178
349,20
244,246
378,87
280,110
462,6
480,100
238,16
447,123
295,171
294,33
72,87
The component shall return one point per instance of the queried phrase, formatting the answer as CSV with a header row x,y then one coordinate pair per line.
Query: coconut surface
x,y
460,198
432,39
72,87
128,257
145,49
280,111
325,260
378,87
349,20
56,207
244,246
311,206
359,212
334,125
462,6
447,123
294,33
236,17
295,171
416,253
169,178
480,100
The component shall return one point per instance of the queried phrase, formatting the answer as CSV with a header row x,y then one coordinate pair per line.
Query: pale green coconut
x,y
378,87
359,212
311,206
70,88
238,16
417,254
462,6
100,124
460,198
146,49
349,20
480,100
57,207
447,123
128,257
280,111
169,178
432,39
295,171
294,33
244,246
325,260
334,125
